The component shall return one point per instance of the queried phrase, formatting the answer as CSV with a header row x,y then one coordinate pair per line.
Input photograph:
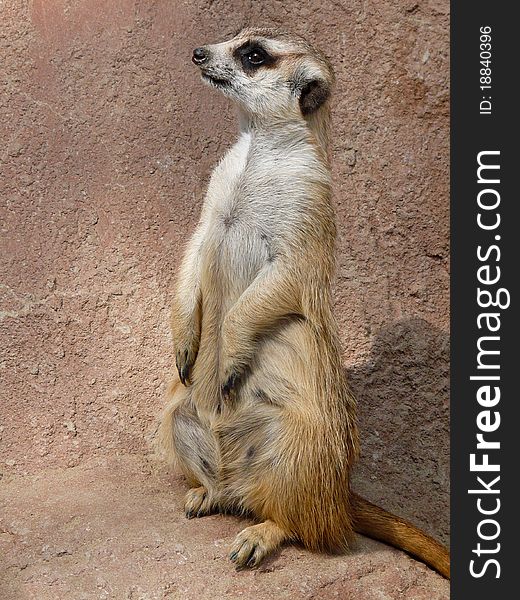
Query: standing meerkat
x,y
261,420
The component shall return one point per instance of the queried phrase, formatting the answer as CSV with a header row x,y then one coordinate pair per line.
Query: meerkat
x,y
261,420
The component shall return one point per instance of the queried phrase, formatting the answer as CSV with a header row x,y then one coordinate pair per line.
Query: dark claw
x,y
251,558
250,562
185,375
184,369
189,514
233,556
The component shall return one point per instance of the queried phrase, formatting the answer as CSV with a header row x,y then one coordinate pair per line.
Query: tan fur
x,y
265,423
377,523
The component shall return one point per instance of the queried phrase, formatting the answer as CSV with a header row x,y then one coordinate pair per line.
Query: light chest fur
x,y
257,203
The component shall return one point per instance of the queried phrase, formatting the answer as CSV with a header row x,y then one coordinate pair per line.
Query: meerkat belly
x,y
239,253
231,258
248,221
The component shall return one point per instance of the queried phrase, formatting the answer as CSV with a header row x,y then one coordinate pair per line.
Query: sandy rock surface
x,y
114,530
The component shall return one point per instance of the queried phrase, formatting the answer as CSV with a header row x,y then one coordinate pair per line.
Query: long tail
x,y
374,522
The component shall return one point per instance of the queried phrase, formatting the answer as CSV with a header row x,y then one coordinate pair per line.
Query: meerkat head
x,y
267,72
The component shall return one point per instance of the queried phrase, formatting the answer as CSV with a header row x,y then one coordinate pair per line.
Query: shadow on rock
x,y
403,404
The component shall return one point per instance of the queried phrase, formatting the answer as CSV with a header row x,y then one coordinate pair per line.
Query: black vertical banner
x,y
485,235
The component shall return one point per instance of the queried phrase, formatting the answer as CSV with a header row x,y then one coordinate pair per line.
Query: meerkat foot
x,y
254,543
198,503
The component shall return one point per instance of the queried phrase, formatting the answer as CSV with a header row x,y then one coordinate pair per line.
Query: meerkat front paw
x,y
233,359
233,368
230,380
198,503
184,361
185,329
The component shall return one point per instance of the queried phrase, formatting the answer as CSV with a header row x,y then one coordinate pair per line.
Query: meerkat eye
x,y
256,57
252,56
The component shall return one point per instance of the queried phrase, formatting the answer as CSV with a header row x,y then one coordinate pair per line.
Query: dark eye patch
x,y
253,55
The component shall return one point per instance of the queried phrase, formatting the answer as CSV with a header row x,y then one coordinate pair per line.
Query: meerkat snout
x,y
200,56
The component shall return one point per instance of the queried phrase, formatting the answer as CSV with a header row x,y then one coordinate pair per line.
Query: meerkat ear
x,y
314,93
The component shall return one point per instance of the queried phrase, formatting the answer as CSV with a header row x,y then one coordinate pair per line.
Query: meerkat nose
x,y
200,56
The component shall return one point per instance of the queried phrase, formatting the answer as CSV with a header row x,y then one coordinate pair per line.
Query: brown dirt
x,y
114,529
109,138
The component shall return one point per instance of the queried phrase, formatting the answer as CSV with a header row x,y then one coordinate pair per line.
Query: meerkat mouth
x,y
216,81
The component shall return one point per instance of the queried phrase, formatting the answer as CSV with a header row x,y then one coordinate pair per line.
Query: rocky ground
x,y
115,529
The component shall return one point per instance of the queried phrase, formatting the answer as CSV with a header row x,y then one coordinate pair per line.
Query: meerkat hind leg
x,y
194,449
254,543
198,457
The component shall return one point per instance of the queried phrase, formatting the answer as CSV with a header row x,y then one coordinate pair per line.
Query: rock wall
x,y
108,141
